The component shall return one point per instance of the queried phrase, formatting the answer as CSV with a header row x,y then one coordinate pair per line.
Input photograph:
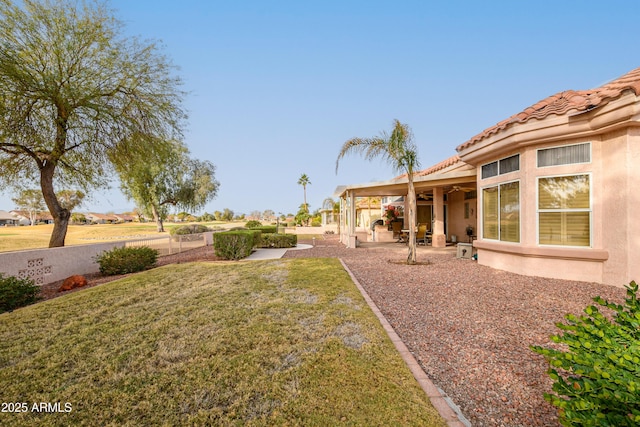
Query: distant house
x,y
7,218
40,217
124,217
98,218
549,191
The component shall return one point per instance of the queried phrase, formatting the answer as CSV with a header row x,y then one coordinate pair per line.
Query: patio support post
x,y
352,220
439,240
343,221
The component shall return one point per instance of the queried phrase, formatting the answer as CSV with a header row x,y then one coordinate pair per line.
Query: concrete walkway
x,y
264,253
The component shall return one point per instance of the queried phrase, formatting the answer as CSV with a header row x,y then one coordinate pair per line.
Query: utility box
x,y
465,250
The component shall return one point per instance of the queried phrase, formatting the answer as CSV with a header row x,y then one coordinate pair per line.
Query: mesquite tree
x,y
165,176
72,89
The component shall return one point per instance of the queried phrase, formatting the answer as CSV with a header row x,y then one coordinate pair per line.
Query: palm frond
x,y
369,147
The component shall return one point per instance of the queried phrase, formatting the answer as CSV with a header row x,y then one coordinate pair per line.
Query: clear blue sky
x,y
275,88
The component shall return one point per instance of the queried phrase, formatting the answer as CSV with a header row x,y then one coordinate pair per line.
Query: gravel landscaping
x,y
469,326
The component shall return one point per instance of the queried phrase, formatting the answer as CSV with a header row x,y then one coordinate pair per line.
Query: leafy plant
x,y
272,240
235,245
15,293
597,377
126,260
253,224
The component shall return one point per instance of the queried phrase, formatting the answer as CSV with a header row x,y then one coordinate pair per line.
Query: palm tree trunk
x,y
411,198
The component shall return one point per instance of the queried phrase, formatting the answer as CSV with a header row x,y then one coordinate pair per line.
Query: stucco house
x,y
7,218
553,186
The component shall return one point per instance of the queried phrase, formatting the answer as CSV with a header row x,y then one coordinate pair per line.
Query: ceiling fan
x,y
456,188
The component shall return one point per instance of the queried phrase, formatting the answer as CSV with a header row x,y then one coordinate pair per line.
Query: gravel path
x,y
470,326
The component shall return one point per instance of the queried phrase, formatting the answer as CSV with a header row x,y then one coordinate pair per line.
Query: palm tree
x,y
304,181
400,152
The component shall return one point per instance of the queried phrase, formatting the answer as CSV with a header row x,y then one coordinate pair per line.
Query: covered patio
x,y
446,202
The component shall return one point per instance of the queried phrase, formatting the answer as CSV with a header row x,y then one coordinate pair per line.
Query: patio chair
x,y
421,235
396,227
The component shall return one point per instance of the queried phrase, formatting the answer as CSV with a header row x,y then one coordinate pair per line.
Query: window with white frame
x,y
501,212
564,210
564,155
500,167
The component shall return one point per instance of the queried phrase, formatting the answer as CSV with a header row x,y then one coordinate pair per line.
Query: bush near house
x,y
272,240
265,229
16,293
236,244
597,378
126,260
253,224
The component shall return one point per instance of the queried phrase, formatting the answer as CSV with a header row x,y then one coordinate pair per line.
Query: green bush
x,y
235,244
264,229
597,378
271,240
126,260
188,229
15,293
253,224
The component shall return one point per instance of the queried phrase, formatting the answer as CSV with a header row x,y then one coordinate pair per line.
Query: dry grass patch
x,y
288,342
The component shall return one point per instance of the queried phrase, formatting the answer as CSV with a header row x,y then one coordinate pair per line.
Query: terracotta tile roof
x,y
563,102
435,168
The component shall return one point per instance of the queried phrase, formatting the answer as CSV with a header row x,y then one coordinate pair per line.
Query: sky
x,y
274,88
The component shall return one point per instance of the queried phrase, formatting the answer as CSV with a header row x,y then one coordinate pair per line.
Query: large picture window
x,y
564,210
501,212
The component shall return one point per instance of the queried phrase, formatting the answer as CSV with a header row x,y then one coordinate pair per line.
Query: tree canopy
x,y
165,176
72,89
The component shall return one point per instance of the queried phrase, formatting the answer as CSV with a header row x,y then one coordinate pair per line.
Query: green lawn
x,y
285,342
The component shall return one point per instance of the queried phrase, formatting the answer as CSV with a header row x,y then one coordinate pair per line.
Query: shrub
x,y
188,229
597,378
264,229
126,260
253,224
235,244
271,240
16,293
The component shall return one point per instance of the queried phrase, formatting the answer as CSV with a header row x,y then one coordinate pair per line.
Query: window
x,y
500,167
566,155
510,164
489,170
501,212
564,210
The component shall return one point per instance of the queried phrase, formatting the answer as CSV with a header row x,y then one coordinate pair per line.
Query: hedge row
x,y
238,244
278,240
235,244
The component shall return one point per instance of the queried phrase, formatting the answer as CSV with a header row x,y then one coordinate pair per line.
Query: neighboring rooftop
x,y
435,168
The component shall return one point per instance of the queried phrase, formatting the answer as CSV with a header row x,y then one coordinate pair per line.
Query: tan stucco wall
x,y
50,265
615,178
620,226
456,222
558,268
